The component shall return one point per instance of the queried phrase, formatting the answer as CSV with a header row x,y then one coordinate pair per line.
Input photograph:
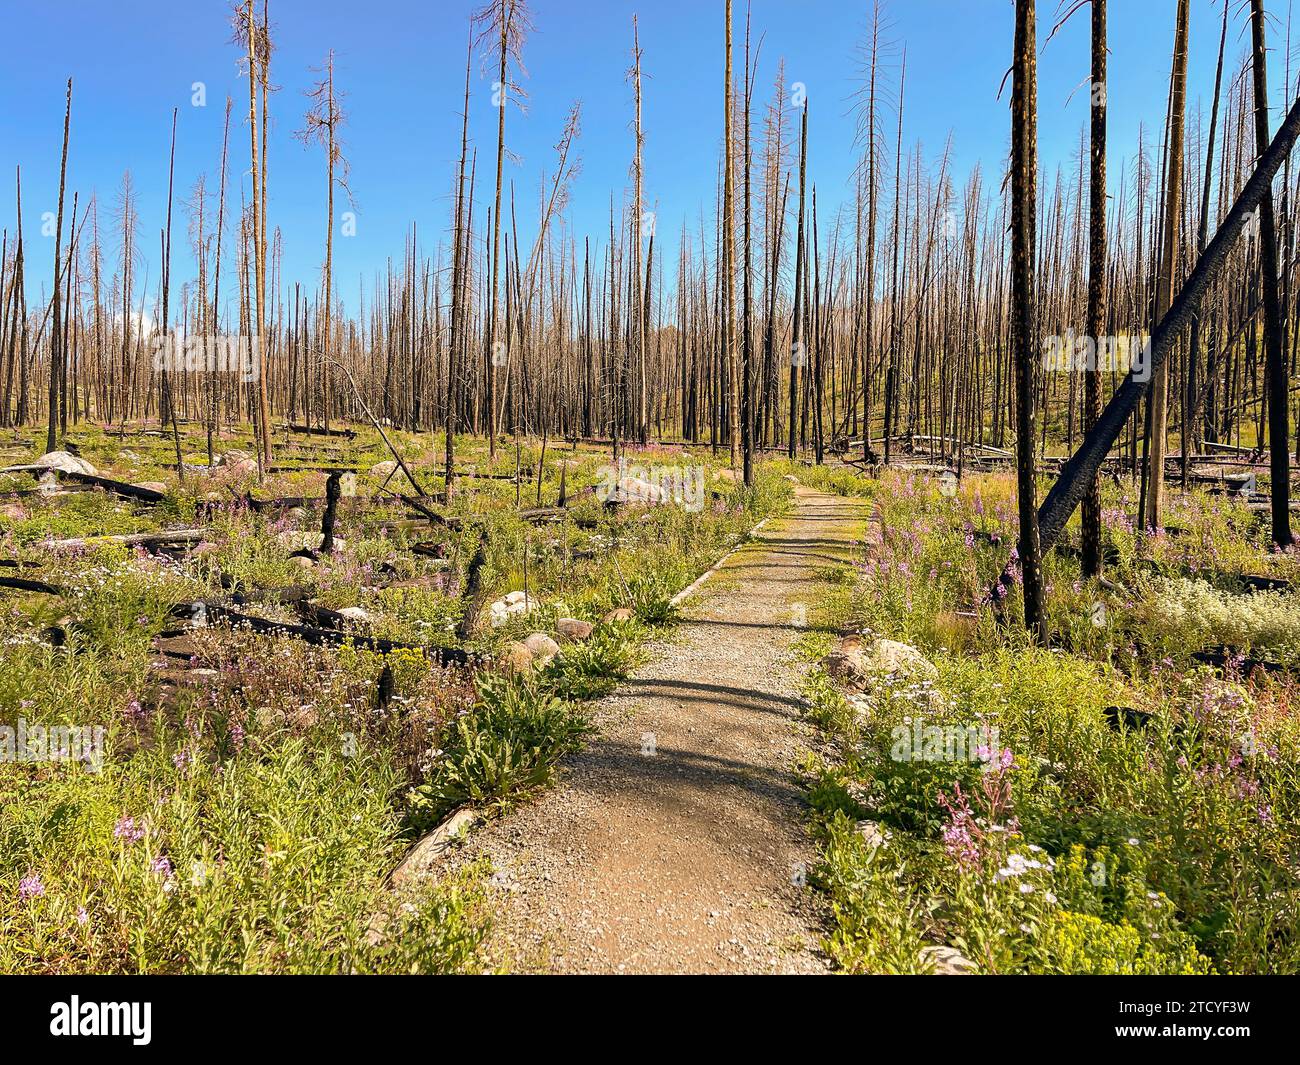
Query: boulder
x,y
618,616
543,648
358,615
423,857
947,961
857,666
383,470
634,490
517,658
510,605
234,457
153,486
574,629
65,462
303,561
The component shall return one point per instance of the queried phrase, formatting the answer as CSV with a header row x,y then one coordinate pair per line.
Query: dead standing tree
x,y
1159,402
1091,528
1024,167
57,353
1275,364
323,121
256,40
506,25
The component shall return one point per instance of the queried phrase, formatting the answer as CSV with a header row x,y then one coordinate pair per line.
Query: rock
x,y
946,961
846,668
890,656
421,859
383,470
633,490
65,462
303,561
240,463
517,658
573,629
152,486
543,648
857,667
509,605
357,614
618,616
872,833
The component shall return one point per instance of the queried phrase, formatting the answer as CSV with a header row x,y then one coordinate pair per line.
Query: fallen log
x,y
1220,657
153,539
443,656
313,430
121,488
21,584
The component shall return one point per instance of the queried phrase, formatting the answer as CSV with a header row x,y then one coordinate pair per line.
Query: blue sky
x,y
401,63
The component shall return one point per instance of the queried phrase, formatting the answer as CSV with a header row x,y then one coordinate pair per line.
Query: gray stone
x,y
947,961
542,647
65,462
421,859
574,629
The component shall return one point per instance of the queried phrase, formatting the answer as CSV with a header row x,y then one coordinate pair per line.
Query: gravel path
x,y
675,843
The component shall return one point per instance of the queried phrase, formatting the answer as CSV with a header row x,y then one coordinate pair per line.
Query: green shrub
x,y
510,742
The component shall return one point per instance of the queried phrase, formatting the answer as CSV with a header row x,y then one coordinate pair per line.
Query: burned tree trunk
x,y
1091,531
1024,167
1274,366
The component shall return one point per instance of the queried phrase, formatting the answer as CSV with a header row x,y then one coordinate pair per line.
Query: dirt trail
x,y
685,859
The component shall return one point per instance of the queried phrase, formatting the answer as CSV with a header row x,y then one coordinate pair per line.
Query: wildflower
x,y
1026,889
30,887
129,830
1051,898
161,865
82,916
